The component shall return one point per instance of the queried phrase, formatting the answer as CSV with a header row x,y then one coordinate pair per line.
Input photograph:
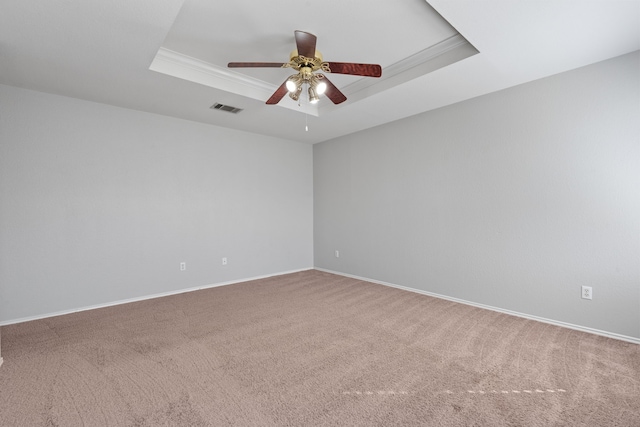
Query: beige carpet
x,y
311,349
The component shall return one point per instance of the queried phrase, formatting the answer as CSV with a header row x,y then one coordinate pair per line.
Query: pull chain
x,y
306,117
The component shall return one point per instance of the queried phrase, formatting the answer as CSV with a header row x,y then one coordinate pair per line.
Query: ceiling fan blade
x,y
368,70
306,44
254,64
333,93
278,94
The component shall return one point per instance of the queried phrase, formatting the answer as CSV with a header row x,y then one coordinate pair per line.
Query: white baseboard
x,y
146,297
488,307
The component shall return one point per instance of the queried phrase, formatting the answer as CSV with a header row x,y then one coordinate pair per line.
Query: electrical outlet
x,y
587,292
337,254
224,261
183,266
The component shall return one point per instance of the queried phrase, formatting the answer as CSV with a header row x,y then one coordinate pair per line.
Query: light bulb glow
x,y
293,83
321,88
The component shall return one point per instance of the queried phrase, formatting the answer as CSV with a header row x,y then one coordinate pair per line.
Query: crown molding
x,y
185,67
439,55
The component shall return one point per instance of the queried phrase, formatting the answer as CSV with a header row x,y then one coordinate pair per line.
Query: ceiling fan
x,y
306,60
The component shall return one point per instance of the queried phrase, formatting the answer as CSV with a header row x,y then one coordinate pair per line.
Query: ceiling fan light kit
x,y
306,60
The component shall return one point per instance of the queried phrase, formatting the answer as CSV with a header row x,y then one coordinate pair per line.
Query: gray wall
x,y
99,204
512,200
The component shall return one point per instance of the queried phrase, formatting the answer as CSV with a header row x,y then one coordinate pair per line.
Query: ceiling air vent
x,y
228,108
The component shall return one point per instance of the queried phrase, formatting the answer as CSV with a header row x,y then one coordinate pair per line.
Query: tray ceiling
x,y
169,56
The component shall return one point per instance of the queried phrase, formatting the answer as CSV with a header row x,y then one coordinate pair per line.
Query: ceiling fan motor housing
x,y
300,63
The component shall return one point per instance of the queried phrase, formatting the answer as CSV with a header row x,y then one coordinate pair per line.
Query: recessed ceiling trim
x,y
197,65
184,67
446,52
422,57
439,55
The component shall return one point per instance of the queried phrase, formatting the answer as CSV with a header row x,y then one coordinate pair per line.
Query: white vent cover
x,y
222,107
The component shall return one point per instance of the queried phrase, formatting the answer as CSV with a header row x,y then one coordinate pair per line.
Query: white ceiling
x,y
107,51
